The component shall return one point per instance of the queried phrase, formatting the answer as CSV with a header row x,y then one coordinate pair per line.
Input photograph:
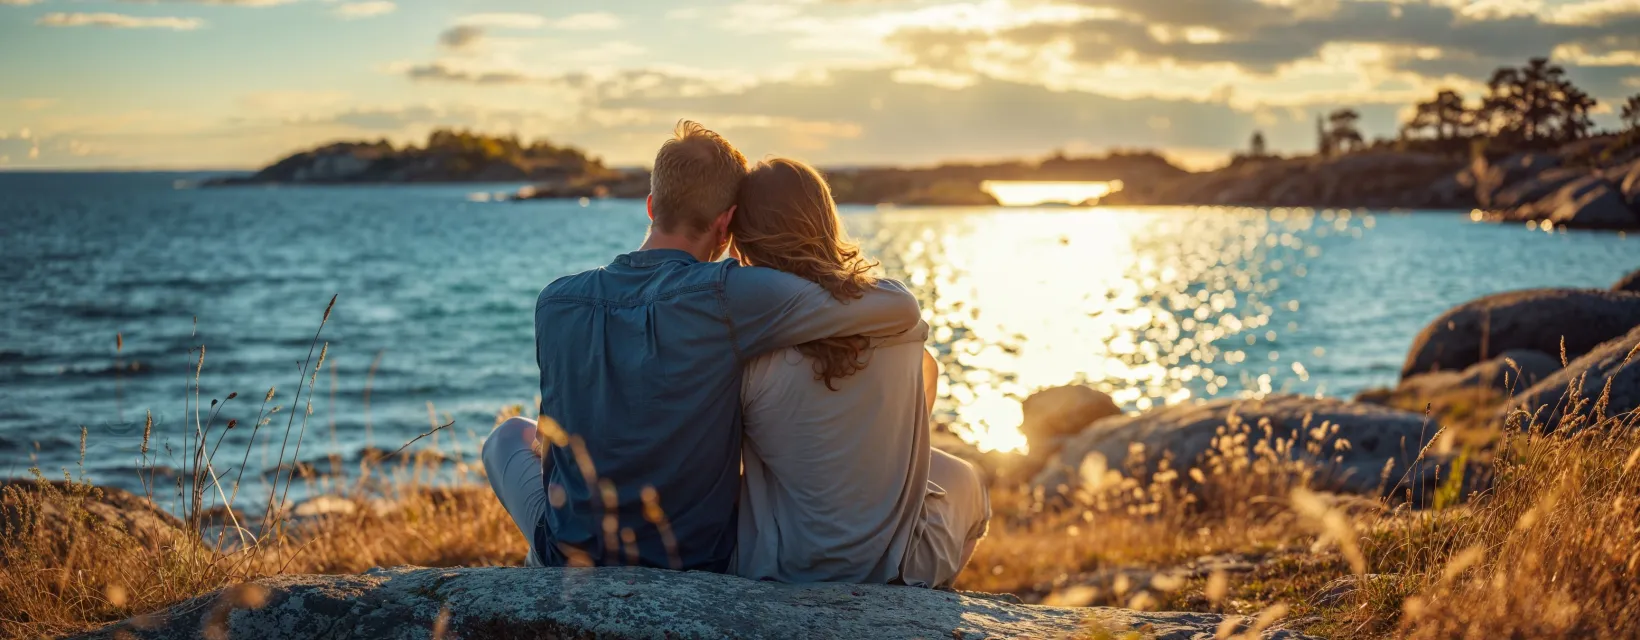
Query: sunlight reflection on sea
x,y
436,297
1152,308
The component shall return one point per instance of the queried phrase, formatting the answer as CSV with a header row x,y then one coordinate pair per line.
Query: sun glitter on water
x,y
1153,307
1026,193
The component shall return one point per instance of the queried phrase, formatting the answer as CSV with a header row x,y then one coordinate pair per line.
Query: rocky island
x,y
448,156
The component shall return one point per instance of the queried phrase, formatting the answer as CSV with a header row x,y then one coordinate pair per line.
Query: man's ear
x,y
723,220
649,206
720,230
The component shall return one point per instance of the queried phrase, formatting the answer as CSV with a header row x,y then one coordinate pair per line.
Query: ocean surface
x,y
107,282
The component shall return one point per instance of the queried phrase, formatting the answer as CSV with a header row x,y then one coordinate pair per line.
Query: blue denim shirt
x,y
641,365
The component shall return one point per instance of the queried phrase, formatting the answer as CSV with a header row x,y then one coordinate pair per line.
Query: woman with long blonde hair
x,y
840,482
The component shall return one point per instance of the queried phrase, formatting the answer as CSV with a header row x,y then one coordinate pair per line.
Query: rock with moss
x,y
621,603
56,512
1536,319
1375,437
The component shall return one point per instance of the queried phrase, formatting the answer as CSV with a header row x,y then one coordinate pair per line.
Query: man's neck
x,y
691,246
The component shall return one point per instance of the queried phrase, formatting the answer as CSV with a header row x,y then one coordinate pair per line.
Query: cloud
x,y
391,118
596,21
887,119
118,21
1262,40
366,9
19,3
1285,52
503,20
29,104
462,37
599,21
288,101
223,3
445,72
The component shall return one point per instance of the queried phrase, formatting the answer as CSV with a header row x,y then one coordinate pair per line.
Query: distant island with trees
x,y
1526,150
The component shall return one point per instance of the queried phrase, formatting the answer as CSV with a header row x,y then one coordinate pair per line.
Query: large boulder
x,y
619,603
1630,184
1491,178
1510,373
1186,432
1609,374
1535,188
1629,282
1588,203
58,511
1535,319
1051,414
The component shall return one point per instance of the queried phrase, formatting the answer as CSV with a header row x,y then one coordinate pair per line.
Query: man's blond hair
x,y
697,176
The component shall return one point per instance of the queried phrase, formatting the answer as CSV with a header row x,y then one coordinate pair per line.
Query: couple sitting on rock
x,y
764,416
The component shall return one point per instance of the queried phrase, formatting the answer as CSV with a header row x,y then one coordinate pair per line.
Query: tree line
x,y
1532,106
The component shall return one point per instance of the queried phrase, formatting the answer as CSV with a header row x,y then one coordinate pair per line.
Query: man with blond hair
x,y
641,365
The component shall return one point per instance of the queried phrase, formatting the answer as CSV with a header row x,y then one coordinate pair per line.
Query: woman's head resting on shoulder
x,y
786,220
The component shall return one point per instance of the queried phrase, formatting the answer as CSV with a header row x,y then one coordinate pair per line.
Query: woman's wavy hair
x,y
787,220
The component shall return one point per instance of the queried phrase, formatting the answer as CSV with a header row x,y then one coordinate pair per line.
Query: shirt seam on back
x,y
694,288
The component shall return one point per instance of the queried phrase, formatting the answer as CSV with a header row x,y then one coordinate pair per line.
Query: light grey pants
x,y
515,475
956,513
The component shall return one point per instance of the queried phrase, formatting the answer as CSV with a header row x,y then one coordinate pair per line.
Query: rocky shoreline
x,y
1507,359
1592,183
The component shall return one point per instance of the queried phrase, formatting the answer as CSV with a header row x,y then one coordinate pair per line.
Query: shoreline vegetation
x,y
1491,493
1527,151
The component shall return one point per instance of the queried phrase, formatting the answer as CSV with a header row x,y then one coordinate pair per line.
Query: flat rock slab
x,y
511,602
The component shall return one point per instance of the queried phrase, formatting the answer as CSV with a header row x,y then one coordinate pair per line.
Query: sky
x,y
219,84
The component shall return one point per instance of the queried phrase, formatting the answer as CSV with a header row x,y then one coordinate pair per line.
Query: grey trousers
x,y
515,476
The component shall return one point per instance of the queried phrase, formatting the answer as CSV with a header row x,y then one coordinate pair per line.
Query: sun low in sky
x,y
238,83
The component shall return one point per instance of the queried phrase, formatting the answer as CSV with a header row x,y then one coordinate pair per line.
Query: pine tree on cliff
x,y
1323,140
1631,112
1575,106
1343,135
1256,148
1529,98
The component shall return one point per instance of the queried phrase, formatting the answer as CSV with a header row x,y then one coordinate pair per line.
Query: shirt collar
x,y
653,257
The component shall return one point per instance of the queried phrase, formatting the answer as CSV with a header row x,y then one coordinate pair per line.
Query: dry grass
x,y
69,574
1550,548
73,556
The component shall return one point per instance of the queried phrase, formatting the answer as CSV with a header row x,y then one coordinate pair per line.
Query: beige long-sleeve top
x,y
834,481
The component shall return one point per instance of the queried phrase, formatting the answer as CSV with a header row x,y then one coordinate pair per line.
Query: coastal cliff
x,y
1372,179
1592,183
